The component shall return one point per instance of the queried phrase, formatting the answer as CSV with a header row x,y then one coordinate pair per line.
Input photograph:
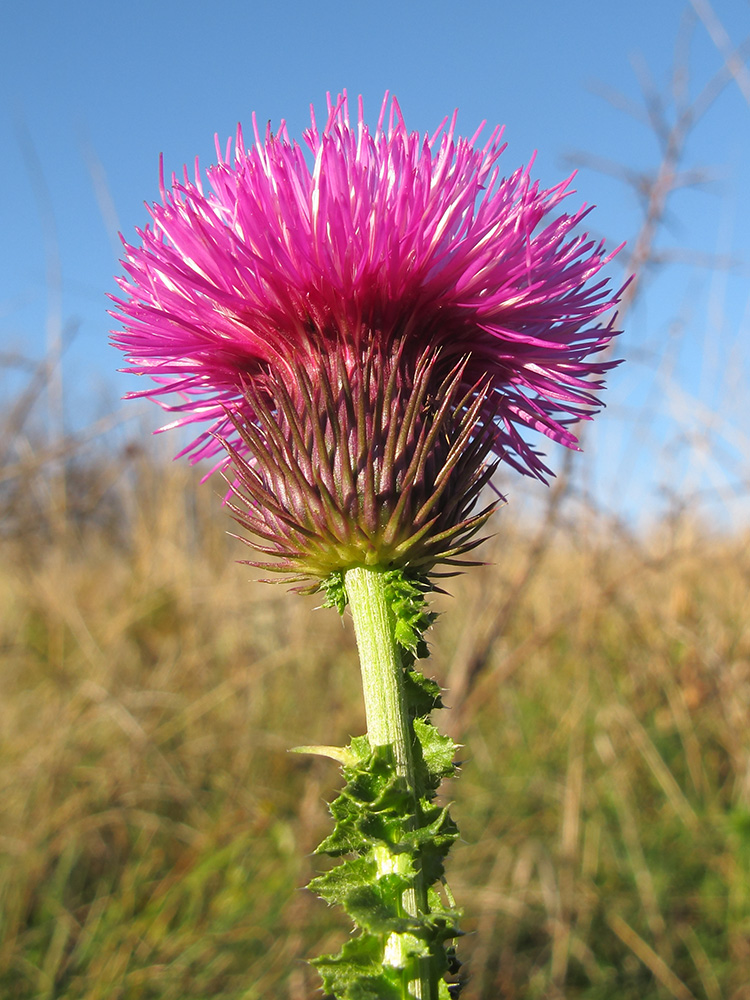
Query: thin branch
x,y
731,56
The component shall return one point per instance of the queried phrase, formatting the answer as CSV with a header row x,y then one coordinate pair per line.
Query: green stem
x,y
388,724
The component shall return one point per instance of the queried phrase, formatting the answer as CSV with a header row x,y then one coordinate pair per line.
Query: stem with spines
x,y
388,725
389,829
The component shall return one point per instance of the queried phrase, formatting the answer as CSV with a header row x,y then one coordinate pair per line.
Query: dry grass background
x,y
154,831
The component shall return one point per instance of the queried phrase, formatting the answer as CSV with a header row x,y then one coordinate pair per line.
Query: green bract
x,y
378,466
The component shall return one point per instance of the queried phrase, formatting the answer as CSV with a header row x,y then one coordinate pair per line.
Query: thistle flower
x,y
368,329
361,327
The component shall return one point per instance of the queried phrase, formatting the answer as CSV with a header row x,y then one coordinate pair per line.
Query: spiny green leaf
x,y
375,908
406,635
372,779
407,599
335,885
335,591
422,694
374,988
438,751
357,973
360,748
383,828
345,838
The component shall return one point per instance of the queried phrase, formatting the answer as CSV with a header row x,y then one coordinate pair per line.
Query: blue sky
x,y
91,93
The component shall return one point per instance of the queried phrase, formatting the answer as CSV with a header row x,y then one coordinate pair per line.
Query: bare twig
x,y
732,57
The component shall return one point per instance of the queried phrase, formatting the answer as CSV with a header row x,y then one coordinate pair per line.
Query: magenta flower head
x,y
364,327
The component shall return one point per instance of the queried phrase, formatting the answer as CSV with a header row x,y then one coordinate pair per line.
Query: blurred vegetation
x,y
155,831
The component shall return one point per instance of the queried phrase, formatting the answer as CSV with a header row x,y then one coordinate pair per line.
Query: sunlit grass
x,y
155,831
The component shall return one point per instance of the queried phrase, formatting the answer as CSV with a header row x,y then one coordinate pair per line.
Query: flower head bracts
x,y
386,236
367,468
